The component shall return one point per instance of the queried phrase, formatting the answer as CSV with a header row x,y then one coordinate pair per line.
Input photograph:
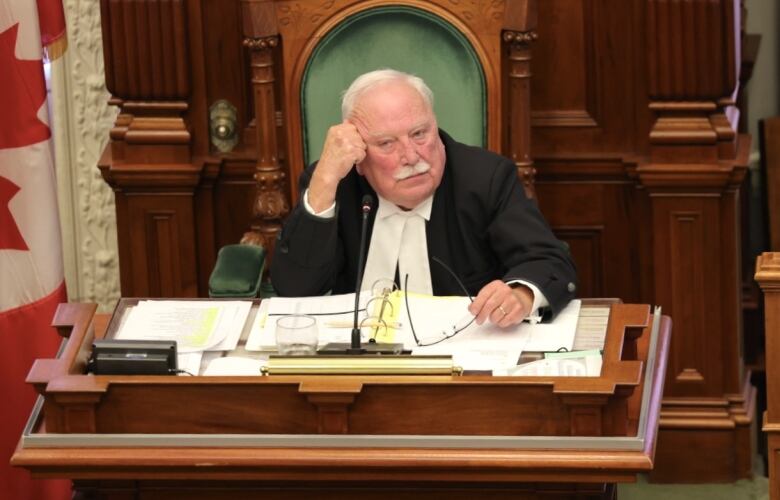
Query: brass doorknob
x,y
222,126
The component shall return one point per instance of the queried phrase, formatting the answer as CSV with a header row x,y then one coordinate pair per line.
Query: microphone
x,y
355,346
366,205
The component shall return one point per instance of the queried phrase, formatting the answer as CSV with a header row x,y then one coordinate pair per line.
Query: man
x,y
437,199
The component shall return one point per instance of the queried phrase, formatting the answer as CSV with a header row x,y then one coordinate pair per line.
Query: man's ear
x,y
359,168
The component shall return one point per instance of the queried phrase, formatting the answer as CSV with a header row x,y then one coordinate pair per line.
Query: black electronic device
x,y
133,357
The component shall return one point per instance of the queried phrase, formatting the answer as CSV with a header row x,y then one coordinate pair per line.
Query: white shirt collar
x,y
388,208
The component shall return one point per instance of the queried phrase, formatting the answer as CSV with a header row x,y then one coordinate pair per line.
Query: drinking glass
x,y
296,335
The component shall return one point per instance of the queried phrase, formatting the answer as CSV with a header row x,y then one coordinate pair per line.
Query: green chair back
x,y
406,39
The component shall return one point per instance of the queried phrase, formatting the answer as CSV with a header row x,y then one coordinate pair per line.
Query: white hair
x,y
368,81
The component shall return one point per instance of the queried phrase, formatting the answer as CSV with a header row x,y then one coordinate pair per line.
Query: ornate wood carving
x,y
81,120
271,203
518,129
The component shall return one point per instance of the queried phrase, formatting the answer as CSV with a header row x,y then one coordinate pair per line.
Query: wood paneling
x,y
586,86
567,33
160,230
691,44
146,48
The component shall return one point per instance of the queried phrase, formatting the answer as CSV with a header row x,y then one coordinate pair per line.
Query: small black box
x,y
133,357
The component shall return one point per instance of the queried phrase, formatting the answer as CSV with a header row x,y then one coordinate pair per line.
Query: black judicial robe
x,y
482,225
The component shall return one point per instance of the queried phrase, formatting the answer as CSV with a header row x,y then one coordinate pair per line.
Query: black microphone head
x,y
368,203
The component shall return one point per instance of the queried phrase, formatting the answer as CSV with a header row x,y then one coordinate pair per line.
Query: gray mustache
x,y
419,168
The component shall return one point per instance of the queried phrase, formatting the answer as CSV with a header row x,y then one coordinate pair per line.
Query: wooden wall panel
x,y
161,228
584,90
695,368
692,60
226,63
594,218
146,48
567,37
233,198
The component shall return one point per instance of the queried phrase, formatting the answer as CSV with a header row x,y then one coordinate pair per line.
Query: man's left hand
x,y
503,305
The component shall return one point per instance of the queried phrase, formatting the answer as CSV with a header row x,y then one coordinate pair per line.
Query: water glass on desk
x,y
296,335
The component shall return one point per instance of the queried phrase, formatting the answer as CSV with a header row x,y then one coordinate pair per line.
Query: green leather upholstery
x,y
238,272
402,38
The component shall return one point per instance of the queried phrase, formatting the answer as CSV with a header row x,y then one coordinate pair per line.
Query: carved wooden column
x,y
520,23
768,277
149,161
271,204
695,165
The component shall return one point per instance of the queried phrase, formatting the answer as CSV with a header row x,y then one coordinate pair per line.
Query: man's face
x,y
405,157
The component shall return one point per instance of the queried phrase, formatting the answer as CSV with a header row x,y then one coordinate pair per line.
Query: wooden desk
x,y
768,277
350,436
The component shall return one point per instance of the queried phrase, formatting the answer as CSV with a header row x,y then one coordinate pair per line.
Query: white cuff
x,y
540,300
328,213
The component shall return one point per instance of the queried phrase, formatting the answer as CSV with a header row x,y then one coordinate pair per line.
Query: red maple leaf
x,y
10,237
22,92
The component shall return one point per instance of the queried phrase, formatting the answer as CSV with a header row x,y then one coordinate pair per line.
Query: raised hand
x,y
344,147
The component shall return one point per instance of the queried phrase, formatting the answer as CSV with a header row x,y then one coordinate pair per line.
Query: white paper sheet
x,y
475,348
262,337
189,363
234,365
587,366
194,325
558,335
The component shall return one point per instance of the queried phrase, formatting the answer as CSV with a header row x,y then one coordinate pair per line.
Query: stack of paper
x,y
474,347
329,310
196,326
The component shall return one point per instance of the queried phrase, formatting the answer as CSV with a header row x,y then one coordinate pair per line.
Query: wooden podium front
x,y
349,436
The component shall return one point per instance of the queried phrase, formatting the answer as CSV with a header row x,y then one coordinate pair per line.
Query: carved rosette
x,y
270,207
267,42
519,37
528,178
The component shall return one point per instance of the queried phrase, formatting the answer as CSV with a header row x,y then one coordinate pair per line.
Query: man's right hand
x,y
344,147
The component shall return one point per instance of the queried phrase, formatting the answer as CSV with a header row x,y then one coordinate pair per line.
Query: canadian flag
x,y
31,274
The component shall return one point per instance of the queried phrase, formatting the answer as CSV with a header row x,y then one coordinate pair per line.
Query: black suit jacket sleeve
x,y
523,242
309,252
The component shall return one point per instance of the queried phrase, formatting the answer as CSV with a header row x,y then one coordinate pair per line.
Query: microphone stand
x,y
356,346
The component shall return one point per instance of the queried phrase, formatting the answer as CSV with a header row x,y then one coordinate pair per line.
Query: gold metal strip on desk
x,y
361,365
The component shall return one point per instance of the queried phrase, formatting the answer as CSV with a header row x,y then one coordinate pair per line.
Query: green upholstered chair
x,y
399,37
402,38
238,272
